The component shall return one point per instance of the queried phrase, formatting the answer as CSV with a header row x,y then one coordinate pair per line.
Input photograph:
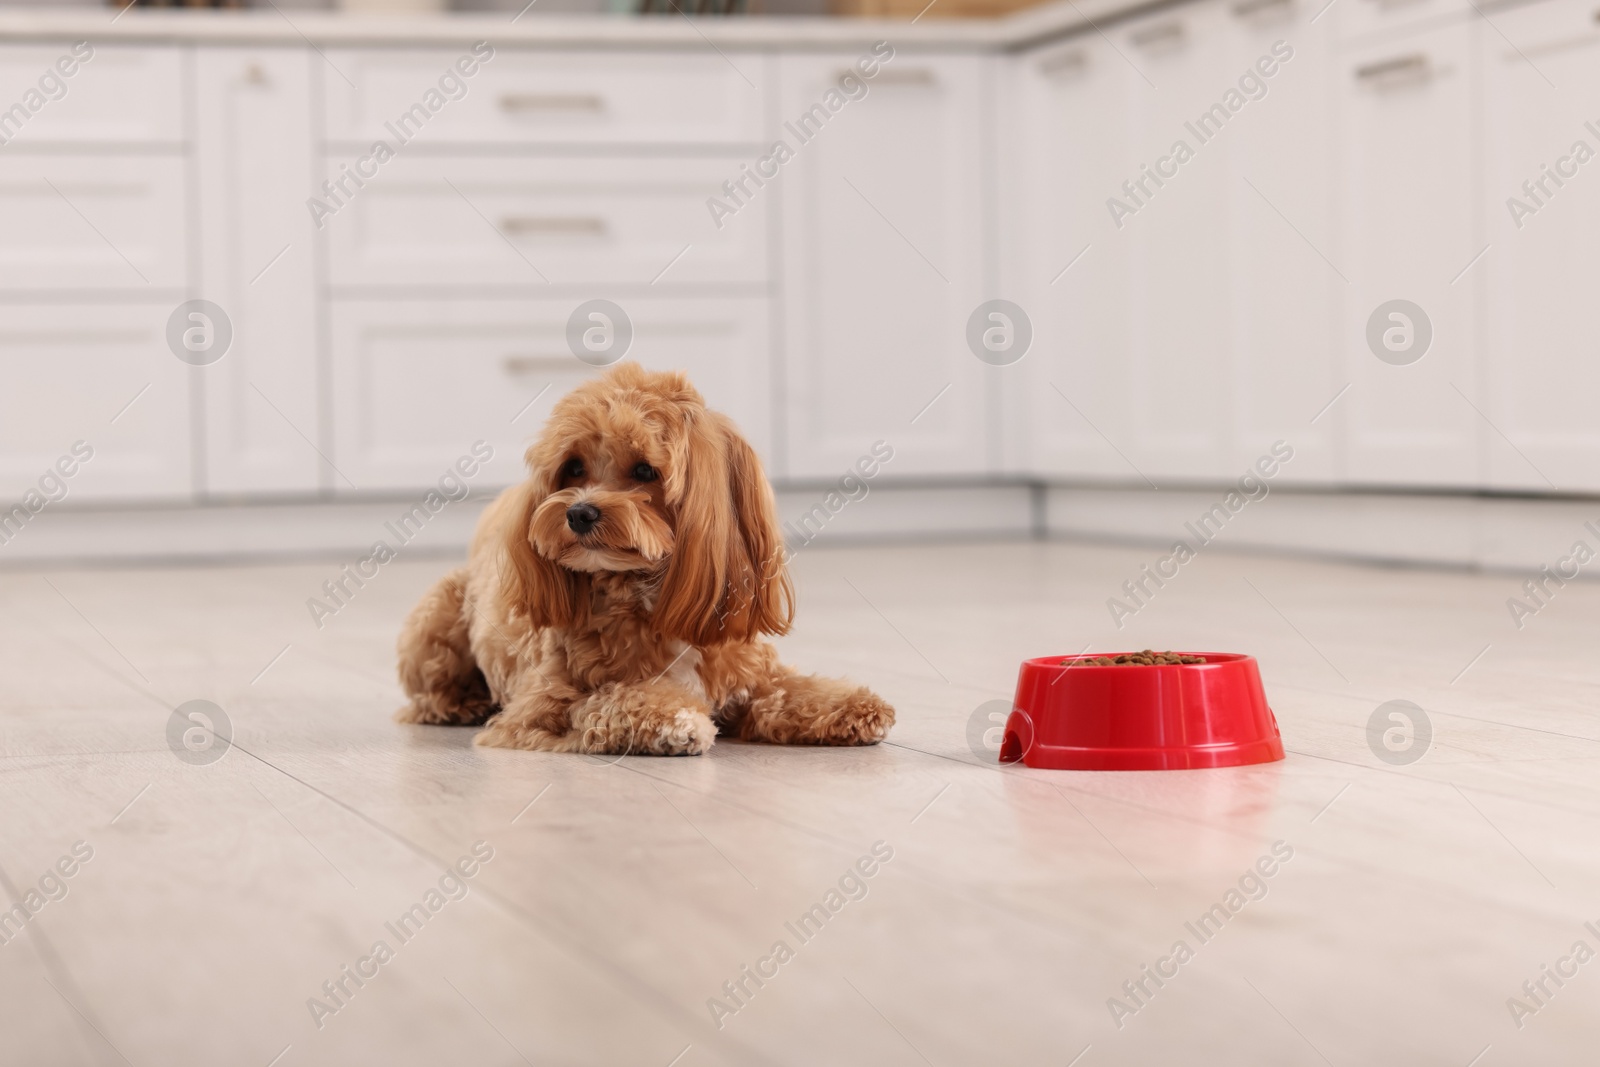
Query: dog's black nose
x,y
581,518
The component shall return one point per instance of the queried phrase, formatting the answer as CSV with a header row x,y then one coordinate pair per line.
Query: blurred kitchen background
x,y
1171,316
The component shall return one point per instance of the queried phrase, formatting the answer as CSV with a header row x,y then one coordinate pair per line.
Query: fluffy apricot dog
x,y
615,601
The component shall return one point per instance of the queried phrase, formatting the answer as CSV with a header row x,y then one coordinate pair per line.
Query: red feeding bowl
x,y
1073,715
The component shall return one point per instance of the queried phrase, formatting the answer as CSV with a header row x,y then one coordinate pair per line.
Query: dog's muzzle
x,y
581,518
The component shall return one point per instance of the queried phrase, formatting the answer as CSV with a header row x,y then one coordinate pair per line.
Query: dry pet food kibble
x,y
1147,658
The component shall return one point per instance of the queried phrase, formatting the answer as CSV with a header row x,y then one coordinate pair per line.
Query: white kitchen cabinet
x,y
1174,411
102,374
470,220
80,222
1069,140
261,413
542,97
883,218
94,257
416,382
1162,353
1542,358
1373,20
1280,363
1409,228
1203,328
115,95
831,311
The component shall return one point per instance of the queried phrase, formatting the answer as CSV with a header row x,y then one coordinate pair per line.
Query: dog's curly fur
x,y
641,634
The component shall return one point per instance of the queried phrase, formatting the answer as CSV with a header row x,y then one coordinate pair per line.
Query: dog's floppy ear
x,y
726,580
548,594
763,594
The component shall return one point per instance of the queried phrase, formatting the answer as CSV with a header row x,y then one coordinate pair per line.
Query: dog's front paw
x,y
512,731
436,709
680,731
688,733
864,718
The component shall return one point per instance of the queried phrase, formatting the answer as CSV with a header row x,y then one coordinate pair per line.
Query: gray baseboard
x,y
178,534
1466,531
1441,530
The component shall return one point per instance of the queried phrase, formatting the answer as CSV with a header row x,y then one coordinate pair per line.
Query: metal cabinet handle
x,y
907,76
1416,66
576,225
1066,63
1167,31
1246,8
591,102
1564,44
540,363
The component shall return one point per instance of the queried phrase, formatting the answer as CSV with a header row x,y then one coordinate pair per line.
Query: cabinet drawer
x,y
1563,33
545,98
883,269
1377,19
1541,375
257,250
76,222
415,383
478,222
115,95
85,366
1408,231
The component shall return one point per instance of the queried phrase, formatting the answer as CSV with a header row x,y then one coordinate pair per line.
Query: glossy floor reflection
x,y
630,911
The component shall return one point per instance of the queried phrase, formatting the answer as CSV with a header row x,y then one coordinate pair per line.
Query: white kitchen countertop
x,y
753,32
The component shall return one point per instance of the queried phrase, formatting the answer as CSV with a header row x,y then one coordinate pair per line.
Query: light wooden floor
x,y
219,898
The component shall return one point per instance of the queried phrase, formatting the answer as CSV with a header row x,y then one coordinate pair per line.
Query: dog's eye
x,y
573,468
643,472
